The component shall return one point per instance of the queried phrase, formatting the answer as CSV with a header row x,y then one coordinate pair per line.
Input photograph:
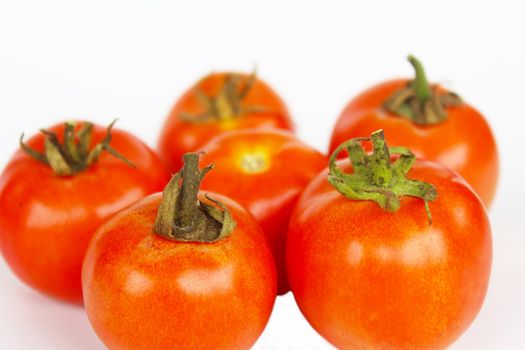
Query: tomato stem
x,y
73,155
182,217
228,104
420,102
420,82
375,177
190,188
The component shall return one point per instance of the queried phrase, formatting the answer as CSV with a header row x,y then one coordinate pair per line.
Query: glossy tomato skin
x,y
270,193
46,221
463,142
142,291
369,279
179,136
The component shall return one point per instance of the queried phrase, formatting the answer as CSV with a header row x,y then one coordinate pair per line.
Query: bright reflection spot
x,y
460,215
454,157
42,215
385,253
45,215
355,253
204,281
138,283
426,247
187,138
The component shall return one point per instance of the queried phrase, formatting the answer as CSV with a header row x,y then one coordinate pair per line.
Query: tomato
x,y
265,171
47,220
438,127
151,289
369,278
217,103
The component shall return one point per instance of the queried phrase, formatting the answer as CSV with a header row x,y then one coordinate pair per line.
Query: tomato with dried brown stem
x,y
58,188
181,270
217,103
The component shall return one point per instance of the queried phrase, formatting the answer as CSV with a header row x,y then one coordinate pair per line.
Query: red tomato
x,y
46,220
217,103
459,137
143,291
265,171
366,278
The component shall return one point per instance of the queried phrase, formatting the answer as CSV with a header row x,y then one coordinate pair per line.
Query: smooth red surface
x,y
270,195
142,291
369,279
464,141
46,221
179,137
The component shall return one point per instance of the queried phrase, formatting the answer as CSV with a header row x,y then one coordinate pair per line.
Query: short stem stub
x,y
375,177
182,217
73,155
228,103
420,102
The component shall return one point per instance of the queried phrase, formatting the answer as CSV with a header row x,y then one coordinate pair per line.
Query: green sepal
x,y
376,177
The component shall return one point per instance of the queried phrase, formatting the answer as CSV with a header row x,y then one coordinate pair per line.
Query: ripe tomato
x,y
437,126
367,278
265,171
47,220
145,289
217,103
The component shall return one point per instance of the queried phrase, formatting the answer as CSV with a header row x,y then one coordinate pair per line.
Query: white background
x,y
131,59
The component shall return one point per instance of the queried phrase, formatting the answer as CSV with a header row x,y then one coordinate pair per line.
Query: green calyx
x,y
73,155
182,217
420,102
228,104
375,177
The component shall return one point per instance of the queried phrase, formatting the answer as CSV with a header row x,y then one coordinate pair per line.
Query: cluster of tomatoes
x,y
380,250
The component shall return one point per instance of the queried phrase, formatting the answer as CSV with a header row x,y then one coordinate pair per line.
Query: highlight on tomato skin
x,y
184,270
217,103
388,277
265,171
55,193
444,128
